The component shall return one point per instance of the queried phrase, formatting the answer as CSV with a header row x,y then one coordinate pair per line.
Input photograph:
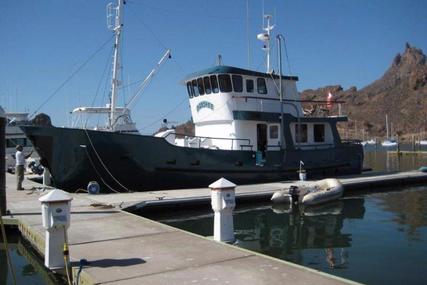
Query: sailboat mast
x,y
386,125
115,82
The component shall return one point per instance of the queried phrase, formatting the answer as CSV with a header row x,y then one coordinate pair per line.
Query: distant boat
x,y
389,141
422,142
369,142
15,136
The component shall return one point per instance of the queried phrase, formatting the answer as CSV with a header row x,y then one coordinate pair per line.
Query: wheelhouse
x,y
238,109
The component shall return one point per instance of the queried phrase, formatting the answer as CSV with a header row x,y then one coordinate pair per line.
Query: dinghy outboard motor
x,y
294,192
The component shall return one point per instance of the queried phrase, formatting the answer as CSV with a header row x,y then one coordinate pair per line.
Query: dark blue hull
x,y
139,163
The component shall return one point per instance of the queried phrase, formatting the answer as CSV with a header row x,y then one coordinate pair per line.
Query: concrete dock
x,y
123,248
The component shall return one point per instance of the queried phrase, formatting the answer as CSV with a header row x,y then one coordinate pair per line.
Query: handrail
x,y
350,141
248,141
287,100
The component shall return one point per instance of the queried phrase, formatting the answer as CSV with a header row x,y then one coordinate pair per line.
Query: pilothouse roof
x,y
235,70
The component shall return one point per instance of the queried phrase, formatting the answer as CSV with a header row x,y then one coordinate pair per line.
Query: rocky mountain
x,y
401,93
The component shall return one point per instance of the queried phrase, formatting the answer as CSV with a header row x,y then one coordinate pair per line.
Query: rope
x,y
102,163
99,87
167,114
9,260
99,175
101,80
158,40
70,77
287,58
66,253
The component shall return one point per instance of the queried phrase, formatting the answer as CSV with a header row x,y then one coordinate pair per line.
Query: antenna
x,y
247,34
265,38
219,60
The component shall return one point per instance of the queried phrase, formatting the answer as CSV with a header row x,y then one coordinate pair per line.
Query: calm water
x,y
379,159
378,238
27,265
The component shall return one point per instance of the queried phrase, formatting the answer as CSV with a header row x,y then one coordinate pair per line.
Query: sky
x,y
55,54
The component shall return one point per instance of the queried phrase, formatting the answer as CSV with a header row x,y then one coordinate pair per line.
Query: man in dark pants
x,y
20,166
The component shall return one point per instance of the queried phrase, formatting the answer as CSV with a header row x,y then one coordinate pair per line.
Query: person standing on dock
x,y
20,166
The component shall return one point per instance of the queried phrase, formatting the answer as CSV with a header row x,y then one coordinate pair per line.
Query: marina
x,y
228,172
142,250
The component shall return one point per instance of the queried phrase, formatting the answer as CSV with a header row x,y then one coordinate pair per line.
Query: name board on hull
x,y
204,104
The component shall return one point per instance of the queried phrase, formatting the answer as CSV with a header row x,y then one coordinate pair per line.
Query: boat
x,y
15,136
249,128
320,192
388,142
369,142
422,142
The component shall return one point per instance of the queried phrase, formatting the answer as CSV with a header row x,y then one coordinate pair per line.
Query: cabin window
x,y
14,142
224,83
237,83
195,89
301,138
274,132
319,133
214,83
207,83
190,90
200,86
261,86
249,86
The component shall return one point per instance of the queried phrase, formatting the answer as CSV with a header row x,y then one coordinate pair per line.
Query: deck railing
x,y
246,143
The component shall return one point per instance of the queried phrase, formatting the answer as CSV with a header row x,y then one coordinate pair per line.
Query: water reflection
x,y
28,266
409,209
382,159
285,233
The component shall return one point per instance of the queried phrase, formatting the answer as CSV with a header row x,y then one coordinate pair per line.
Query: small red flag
x,y
329,100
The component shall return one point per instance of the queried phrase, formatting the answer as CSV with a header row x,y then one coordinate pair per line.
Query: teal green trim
x,y
275,117
221,69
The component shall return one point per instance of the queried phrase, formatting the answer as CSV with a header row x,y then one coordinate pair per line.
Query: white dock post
x,y
56,220
223,203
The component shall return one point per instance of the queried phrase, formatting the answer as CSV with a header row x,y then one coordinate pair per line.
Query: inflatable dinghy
x,y
316,193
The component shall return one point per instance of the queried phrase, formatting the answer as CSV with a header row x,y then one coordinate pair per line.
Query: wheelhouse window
x,y
274,132
195,88
301,138
319,133
237,83
190,90
224,83
261,86
207,83
214,83
249,86
200,86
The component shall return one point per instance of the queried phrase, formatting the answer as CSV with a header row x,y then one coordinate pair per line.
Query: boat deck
x,y
123,248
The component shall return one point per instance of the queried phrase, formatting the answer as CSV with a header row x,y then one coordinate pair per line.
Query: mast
x,y
282,128
265,37
114,21
386,125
